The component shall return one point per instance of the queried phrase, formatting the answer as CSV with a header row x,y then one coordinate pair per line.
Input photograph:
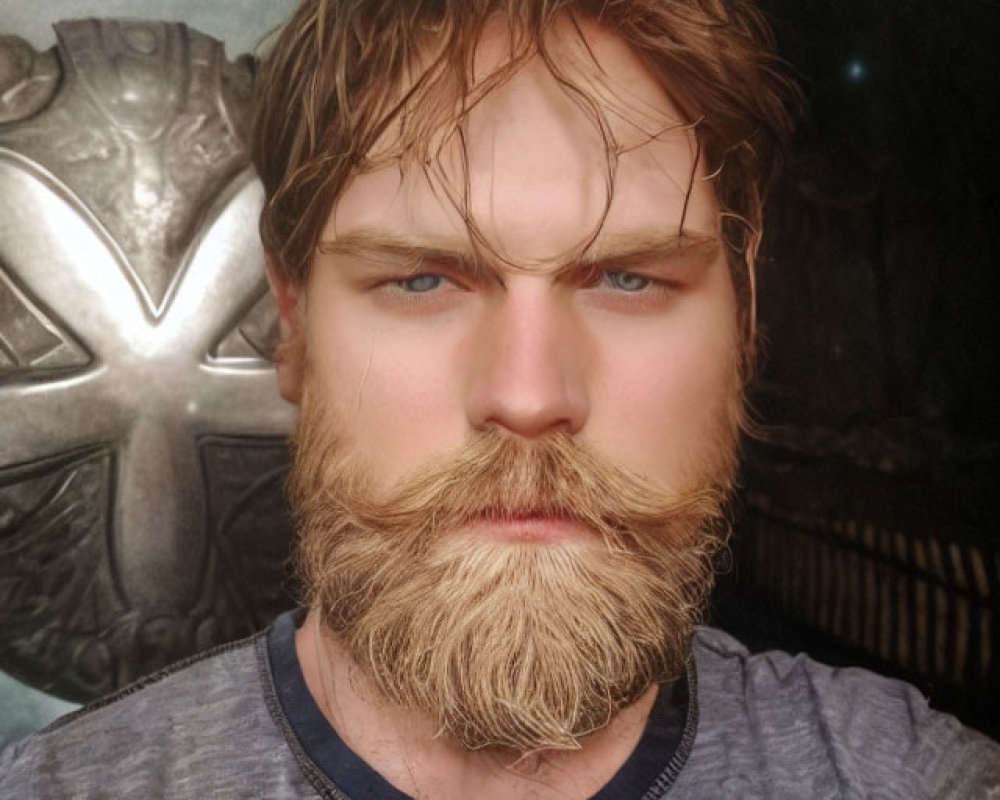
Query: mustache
x,y
498,475
505,644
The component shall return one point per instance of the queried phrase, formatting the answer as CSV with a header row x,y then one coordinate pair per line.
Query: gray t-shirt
x,y
756,726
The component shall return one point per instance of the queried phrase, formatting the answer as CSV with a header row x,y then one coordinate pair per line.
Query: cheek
x,y
392,396
661,410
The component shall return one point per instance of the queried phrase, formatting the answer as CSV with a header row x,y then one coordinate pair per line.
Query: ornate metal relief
x,y
141,434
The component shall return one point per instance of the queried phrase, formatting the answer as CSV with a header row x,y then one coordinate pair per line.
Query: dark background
x,y
886,225
878,299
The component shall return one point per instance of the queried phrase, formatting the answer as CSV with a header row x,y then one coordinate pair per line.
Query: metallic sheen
x,y
141,434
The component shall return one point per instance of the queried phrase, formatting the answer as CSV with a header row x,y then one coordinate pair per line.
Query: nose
x,y
529,365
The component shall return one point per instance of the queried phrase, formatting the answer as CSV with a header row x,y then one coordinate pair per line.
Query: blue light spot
x,y
857,70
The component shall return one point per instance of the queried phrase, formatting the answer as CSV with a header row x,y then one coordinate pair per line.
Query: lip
x,y
530,528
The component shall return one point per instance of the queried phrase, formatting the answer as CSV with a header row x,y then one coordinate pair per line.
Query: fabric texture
x,y
758,726
666,740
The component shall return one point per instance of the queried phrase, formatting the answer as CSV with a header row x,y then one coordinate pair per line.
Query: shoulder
x,y
195,721
842,731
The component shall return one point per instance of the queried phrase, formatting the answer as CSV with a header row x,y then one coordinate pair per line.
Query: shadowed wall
x,y
868,531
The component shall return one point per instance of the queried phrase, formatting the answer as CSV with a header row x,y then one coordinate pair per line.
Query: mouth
x,y
529,527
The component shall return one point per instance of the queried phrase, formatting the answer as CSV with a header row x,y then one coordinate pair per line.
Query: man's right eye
x,y
420,283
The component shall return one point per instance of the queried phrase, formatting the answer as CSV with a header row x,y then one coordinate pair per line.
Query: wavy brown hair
x,y
345,75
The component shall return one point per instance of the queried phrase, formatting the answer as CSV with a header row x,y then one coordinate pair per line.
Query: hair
x,y
343,74
505,644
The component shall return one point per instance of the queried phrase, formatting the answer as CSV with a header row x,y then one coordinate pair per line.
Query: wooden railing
x,y
884,569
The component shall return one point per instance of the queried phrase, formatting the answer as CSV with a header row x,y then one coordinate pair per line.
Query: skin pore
x,y
415,340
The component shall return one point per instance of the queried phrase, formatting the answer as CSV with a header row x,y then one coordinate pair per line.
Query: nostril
x,y
529,411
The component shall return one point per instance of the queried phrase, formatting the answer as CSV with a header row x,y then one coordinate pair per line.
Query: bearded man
x,y
512,247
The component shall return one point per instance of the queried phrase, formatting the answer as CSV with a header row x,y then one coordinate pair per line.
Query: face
x,y
519,449
416,342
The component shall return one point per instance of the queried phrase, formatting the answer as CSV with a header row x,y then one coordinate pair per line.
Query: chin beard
x,y
523,646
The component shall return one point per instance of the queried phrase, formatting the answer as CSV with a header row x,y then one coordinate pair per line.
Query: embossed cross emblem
x,y
152,387
141,433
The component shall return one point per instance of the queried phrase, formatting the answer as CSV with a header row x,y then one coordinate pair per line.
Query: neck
x,y
403,744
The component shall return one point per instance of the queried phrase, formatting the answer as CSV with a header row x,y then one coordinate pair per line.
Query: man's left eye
x,y
420,283
627,281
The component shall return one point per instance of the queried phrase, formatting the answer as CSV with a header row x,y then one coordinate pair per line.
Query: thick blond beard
x,y
508,645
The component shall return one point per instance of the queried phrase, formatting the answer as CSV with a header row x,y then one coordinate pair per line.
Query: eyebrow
x,y
368,241
622,252
616,252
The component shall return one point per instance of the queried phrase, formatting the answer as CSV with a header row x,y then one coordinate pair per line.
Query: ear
x,y
290,353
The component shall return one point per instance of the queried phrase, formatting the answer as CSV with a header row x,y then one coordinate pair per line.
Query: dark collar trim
x,y
669,775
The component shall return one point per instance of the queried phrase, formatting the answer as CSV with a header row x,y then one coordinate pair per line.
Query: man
x,y
512,247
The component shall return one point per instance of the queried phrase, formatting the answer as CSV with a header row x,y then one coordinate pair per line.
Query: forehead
x,y
580,143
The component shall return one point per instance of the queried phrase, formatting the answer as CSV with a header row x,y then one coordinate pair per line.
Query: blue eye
x,y
420,283
627,281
